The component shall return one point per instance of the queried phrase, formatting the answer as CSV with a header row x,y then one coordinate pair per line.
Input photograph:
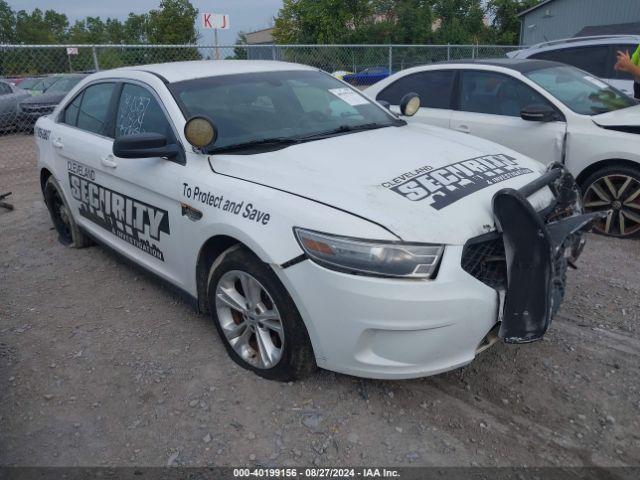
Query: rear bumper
x,y
538,247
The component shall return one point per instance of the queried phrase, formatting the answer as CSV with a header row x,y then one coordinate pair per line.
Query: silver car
x,y
10,97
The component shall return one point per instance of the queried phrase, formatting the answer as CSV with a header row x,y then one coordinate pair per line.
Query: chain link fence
x,y
33,79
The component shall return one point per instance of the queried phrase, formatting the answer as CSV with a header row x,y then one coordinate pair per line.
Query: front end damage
x,y
526,260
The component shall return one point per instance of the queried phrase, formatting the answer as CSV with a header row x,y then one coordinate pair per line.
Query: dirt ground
x,y
102,365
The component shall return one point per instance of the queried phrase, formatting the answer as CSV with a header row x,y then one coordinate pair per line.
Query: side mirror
x,y
144,145
410,104
539,113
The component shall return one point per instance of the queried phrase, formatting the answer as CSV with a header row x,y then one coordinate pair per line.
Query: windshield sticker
x,y
443,186
134,108
349,96
595,81
246,210
131,220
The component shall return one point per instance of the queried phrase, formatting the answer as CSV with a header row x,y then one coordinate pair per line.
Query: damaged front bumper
x,y
538,247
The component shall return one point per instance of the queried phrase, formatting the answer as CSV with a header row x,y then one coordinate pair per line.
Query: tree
x,y
7,23
173,22
41,28
506,24
321,21
240,53
461,21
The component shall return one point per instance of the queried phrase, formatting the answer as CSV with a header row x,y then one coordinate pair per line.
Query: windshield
x,y
580,91
64,85
28,83
278,105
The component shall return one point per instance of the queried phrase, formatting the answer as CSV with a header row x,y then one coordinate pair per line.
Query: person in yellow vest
x,y
631,64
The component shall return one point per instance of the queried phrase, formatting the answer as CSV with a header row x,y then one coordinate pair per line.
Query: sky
x,y
244,15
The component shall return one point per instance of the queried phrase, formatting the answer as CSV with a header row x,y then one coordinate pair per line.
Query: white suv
x,y
596,55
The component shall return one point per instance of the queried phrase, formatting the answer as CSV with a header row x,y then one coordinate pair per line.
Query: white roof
x,y
179,71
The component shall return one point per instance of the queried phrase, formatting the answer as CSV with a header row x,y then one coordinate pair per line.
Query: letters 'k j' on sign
x,y
215,20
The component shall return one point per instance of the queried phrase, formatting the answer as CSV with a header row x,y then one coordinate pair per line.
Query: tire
x,y
69,233
269,338
615,188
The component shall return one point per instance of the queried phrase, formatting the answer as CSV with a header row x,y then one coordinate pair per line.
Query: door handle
x,y
108,161
57,143
463,128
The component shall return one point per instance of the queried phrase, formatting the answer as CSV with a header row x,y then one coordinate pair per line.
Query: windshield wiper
x,y
262,143
344,129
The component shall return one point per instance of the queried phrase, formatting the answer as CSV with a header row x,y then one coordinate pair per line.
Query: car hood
x,y
45,98
386,175
627,117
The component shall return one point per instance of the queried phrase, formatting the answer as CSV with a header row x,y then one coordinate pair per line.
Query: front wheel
x,y
69,233
256,318
616,190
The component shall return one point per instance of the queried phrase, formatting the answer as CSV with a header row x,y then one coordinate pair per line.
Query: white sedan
x,y
314,226
548,111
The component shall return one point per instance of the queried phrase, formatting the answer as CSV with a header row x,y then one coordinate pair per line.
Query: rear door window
x,y
593,59
434,87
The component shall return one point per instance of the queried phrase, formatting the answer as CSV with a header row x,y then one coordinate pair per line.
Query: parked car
x,y
368,76
42,84
265,192
546,110
596,55
34,107
10,96
27,84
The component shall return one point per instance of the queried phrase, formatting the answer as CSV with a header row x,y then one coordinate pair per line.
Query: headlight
x,y
370,257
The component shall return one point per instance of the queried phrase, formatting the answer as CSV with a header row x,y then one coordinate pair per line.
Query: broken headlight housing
x,y
371,257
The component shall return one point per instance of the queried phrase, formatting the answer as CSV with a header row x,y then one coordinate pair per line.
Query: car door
x,y
489,105
127,203
435,88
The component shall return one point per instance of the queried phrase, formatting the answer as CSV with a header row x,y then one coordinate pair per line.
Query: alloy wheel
x,y
619,195
249,319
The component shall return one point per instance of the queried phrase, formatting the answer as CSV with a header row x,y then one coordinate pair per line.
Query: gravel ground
x,y
102,365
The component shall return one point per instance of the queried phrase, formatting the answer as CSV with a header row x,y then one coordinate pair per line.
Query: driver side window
x,y
496,94
139,112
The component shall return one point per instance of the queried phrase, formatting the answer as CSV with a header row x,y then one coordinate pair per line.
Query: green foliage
x,y
7,23
173,23
461,21
506,24
399,21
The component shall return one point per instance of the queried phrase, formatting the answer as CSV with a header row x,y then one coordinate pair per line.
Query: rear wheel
x,y
256,318
616,190
69,233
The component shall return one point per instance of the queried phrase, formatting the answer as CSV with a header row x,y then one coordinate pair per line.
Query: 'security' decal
x,y
131,220
446,185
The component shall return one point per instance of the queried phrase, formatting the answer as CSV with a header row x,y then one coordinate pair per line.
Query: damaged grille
x,y
484,259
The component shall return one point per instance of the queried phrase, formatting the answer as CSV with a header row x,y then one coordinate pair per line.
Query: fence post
x,y
96,65
273,52
390,58
448,51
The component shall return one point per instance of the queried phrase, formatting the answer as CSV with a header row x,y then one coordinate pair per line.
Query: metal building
x,y
556,19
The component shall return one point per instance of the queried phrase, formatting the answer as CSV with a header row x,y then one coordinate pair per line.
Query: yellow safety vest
x,y
636,57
